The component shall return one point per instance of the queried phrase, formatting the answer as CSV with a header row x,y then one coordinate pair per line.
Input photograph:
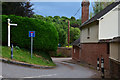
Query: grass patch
x,y
22,55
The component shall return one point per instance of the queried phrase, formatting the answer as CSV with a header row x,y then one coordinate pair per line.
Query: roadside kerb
x,y
26,64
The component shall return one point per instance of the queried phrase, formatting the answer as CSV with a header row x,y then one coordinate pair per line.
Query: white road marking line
x,y
40,76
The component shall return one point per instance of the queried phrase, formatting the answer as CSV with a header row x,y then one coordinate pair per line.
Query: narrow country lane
x,y
62,70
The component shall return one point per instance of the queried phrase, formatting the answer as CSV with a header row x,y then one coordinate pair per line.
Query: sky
x,y
67,9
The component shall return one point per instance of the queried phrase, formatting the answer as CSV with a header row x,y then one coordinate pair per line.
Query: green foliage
x,y
98,6
62,35
46,36
38,17
17,48
61,24
91,15
57,17
75,23
59,55
74,34
73,18
4,30
65,18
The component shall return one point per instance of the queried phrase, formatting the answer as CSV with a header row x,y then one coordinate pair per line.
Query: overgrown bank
x,y
21,55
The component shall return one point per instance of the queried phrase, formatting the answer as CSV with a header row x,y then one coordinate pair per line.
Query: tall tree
x,y
91,15
28,10
17,8
98,6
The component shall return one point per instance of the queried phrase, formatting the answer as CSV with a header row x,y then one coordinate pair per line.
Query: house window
x,y
88,33
74,50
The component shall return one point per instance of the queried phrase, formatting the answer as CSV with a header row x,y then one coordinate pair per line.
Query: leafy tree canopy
x,y
98,6
17,8
61,24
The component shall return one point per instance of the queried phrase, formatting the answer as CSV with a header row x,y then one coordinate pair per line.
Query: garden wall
x,y
114,69
67,52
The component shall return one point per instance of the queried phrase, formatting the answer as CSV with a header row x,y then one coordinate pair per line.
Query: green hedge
x,y
46,36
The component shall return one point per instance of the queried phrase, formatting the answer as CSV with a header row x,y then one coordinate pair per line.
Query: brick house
x,y
76,50
100,36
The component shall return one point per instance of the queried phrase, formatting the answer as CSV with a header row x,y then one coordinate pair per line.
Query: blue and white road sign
x,y
31,33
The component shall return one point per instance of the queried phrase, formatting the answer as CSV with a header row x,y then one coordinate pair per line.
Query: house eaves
x,y
100,14
76,42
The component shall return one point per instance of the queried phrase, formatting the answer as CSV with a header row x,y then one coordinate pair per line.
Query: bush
x,y
46,36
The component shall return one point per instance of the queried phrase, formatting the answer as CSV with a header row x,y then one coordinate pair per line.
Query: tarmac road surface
x,y
62,70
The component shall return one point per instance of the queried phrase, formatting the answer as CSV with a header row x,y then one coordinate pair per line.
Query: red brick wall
x,y
90,52
114,69
75,55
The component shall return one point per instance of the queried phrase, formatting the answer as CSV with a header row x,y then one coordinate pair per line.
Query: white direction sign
x,y
9,24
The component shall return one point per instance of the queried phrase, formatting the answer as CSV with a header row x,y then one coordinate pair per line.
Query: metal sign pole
x,y
12,51
31,34
31,46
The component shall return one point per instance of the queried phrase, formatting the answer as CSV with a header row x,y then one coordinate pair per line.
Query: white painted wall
x,y
108,26
119,21
93,35
115,51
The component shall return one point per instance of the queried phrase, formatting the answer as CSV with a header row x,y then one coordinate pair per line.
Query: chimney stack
x,y
85,10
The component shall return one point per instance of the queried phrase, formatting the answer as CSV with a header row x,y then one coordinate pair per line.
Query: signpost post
x,y
31,34
12,51
9,24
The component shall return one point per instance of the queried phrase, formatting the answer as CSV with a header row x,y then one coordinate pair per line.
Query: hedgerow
x,y
46,36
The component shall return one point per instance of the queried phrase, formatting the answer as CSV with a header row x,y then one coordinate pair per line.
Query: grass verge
x,y
21,55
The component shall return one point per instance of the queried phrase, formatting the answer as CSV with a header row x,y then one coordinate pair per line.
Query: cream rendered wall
x,y
114,50
93,29
108,26
119,20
